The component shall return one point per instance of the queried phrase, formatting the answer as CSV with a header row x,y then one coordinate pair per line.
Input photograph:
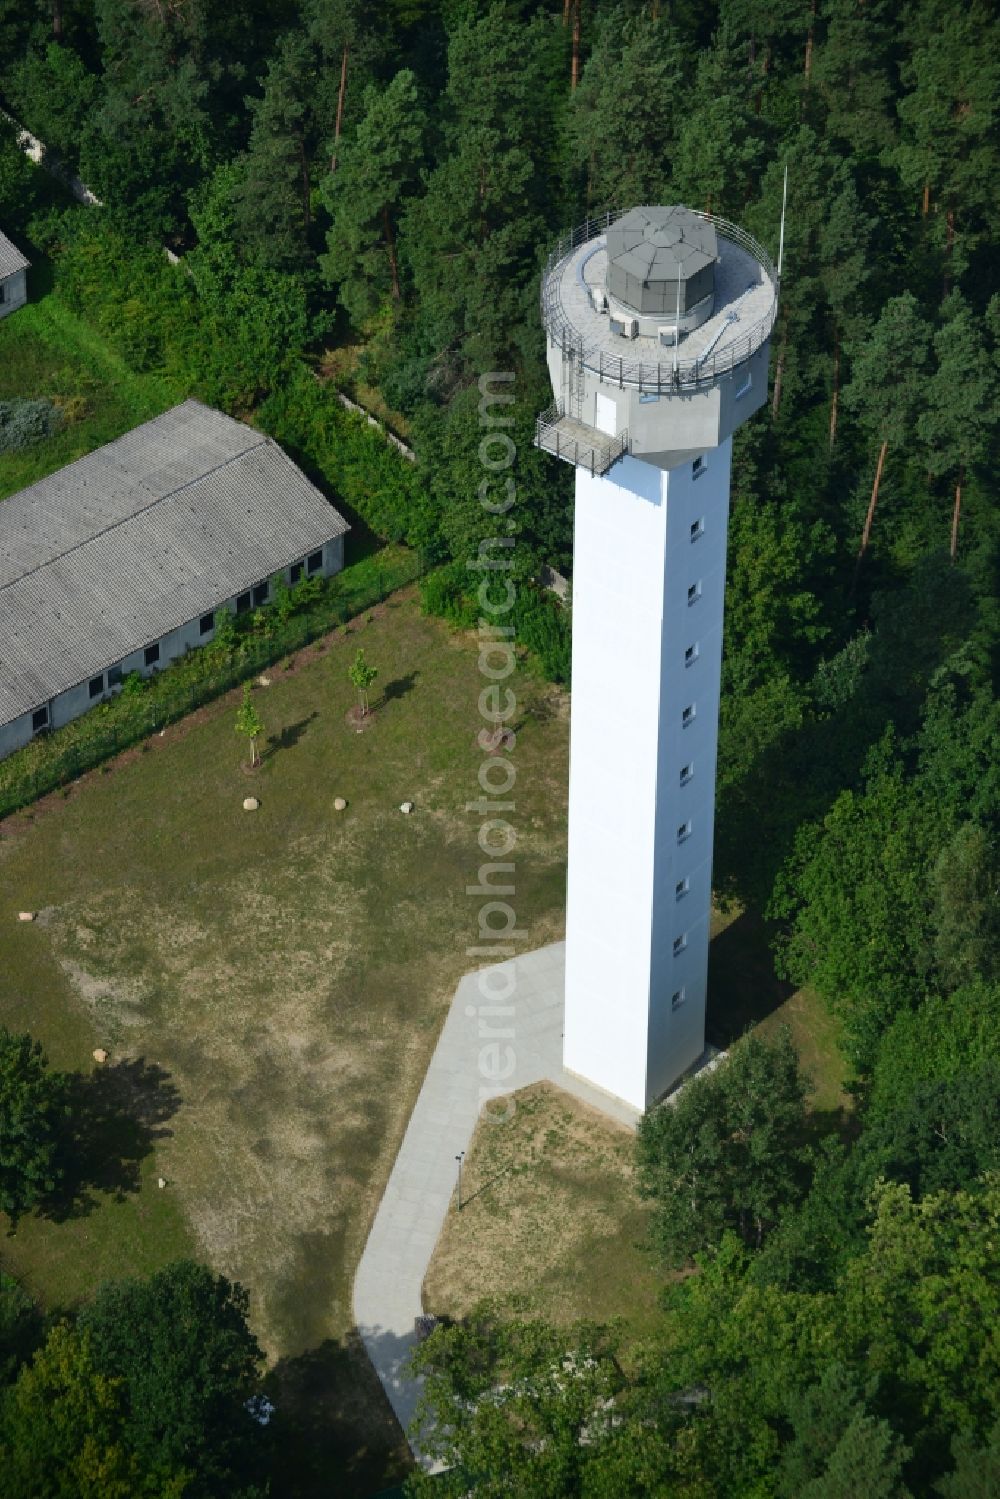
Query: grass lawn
x,y
288,969
46,350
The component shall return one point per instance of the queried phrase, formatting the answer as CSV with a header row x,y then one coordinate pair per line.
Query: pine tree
x,y
958,423
377,170
888,387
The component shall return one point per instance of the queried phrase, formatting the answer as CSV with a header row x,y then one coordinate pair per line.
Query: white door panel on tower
x,y
605,414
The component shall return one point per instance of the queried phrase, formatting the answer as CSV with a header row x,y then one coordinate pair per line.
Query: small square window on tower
x,y
694,592
680,943
688,715
698,467
697,528
677,998
684,831
691,654
681,888
687,771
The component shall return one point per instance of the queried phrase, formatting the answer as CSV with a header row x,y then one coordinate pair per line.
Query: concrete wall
x,y
665,430
76,700
14,292
634,560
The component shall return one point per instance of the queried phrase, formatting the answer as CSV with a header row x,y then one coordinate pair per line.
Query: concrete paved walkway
x,y
503,1031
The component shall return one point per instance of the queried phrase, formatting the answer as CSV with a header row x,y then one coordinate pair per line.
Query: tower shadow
x,y
743,988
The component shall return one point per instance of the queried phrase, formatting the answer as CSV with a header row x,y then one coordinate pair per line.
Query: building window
x,y
242,603
681,888
152,654
694,592
688,715
697,528
115,676
294,573
684,831
260,594
646,396
677,998
96,686
687,771
314,562
39,720
698,467
680,943
745,387
691,655
206,624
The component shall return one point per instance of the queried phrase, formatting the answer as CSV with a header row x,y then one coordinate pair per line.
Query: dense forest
x,y
386,179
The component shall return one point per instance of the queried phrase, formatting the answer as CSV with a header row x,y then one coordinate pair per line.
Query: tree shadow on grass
x,y
288,737
116,1115
342,1437
399,688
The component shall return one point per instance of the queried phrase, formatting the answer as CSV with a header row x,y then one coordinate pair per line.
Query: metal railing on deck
x,y
659,377
563,438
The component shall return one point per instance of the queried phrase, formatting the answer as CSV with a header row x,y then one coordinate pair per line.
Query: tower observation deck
x,y
653,304
658,324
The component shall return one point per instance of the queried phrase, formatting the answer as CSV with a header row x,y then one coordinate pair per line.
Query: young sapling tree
x,y
362,675
249,723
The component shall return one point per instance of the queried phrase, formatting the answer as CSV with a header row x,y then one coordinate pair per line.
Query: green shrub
x,y
23,423
542,624
364,471
443,593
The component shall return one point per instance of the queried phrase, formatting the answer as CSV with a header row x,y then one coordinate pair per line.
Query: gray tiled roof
x,y
11,259
134,540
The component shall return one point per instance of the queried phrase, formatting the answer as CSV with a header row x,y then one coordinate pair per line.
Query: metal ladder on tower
x,y
573,365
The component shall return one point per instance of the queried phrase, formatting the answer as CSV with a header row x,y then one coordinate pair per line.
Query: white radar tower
x,y
658,324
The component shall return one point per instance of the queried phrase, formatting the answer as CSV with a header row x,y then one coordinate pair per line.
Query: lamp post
x,y
459,1158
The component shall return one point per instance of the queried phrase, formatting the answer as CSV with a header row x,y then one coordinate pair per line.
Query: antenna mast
x,y
781,239
677,319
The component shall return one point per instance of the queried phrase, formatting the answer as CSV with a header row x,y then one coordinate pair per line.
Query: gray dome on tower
x,y
650,248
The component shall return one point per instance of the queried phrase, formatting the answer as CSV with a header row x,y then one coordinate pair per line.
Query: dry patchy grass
x,y
550,1220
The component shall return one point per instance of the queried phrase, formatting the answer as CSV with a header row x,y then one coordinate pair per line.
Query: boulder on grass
x,y
339,804
406,807
250,804
100,1055
25,915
